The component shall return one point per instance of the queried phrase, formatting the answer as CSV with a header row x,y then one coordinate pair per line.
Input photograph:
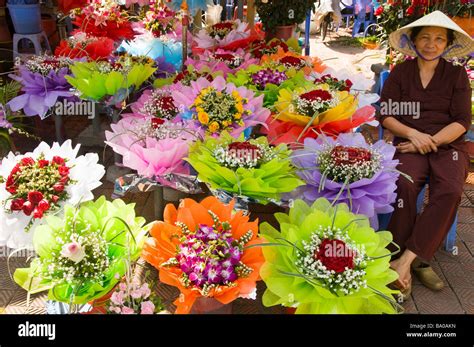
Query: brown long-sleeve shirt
x,y
446,99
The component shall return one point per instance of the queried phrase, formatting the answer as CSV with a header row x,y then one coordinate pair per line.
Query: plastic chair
x,y
34,38
347,13
384,219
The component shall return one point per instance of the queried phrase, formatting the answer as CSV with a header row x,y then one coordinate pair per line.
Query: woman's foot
x,y
404,273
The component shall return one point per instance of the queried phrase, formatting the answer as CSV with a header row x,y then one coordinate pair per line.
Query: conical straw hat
x,y
462,46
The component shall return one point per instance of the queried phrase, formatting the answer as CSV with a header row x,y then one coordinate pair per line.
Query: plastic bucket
x,y
26,18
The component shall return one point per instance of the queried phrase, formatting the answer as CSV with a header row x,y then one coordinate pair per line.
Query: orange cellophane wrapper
x,y
162,244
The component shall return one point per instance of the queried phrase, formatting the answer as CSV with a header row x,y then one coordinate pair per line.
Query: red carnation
x,y
58,160
226,57
335,255
292,61
43,205
349,84
166,103
42,163
27,208
16,169
54,198
35,197
318,94
10,185
223,26
64,180
378,11
245,149
156,122
17,204
27,161
37,213
58,187
63,170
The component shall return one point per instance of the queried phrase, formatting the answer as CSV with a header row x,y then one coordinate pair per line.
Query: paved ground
x,y
457,270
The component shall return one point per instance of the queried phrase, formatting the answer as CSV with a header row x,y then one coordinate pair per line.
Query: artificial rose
x,y
350,155
335,255
17,204
35,197
73,251
27,161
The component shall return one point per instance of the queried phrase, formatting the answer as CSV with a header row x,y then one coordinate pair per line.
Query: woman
x,y
426,104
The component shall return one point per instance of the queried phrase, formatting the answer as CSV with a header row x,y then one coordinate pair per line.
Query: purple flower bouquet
x,y
349,170
44,82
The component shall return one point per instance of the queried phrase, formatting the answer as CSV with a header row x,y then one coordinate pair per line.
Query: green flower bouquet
x,y
83,255
325,260
96,80
269,79
252,168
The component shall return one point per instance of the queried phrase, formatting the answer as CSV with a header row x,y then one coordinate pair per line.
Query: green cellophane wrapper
x,y
268,181
124,232
95,85
288,287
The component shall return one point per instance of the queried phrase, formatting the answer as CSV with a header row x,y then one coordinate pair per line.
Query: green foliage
x,y
275,13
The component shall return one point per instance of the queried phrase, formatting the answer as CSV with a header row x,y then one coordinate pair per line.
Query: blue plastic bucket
x,y
26,18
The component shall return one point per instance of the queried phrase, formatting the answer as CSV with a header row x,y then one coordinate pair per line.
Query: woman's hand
x,y
424,143
406,147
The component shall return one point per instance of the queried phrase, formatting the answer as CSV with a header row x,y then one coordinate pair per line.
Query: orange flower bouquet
x,y
204,250
292,60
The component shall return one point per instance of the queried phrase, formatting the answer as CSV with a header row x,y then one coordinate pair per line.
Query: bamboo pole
x,y
251,13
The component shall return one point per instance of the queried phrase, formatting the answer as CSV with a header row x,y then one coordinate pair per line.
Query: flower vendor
x,y
430,142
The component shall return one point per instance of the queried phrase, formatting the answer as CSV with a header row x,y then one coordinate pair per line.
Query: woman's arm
x,y
449,133
424,143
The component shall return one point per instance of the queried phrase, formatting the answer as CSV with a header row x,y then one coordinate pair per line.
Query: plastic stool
x,y
34,38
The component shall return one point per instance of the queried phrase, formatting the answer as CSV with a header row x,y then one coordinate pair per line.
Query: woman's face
x,y
431,41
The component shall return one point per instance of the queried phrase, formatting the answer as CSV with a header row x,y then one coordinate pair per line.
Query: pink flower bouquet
x,y
221,60
149,147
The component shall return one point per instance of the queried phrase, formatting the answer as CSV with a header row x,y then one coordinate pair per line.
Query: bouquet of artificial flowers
x,y
324,259
204,249
349,170
115,78
268,81
216,106
40,183
44,81
250,168
222,34
309,111
131,297
159,20
83,255
291,60
80,45
104,18
151,146
220,60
